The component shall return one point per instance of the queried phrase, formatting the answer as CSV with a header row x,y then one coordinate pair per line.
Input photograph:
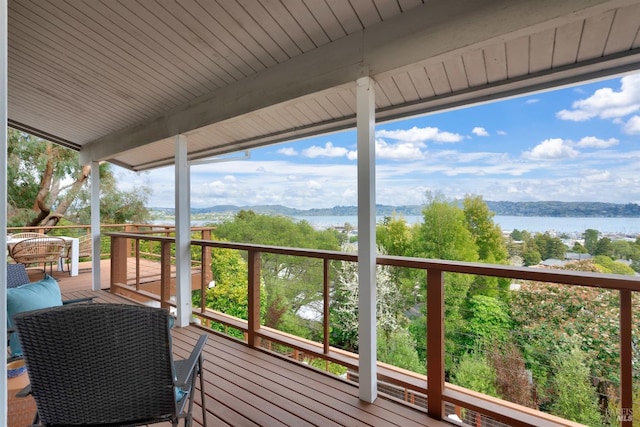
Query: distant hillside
x,y
550,208
565,209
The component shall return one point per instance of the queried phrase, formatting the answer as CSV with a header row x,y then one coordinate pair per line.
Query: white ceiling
x,y
118,80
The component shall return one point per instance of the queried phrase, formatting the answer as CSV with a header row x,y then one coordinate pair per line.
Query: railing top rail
x,y
279,250
53,227
581,278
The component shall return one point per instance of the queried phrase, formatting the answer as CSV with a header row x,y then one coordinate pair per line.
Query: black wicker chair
x,y
107,365
16,275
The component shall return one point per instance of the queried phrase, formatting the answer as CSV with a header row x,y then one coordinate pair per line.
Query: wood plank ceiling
x,y
117,80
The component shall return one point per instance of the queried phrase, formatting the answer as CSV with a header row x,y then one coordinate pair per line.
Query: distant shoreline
x,y
553,209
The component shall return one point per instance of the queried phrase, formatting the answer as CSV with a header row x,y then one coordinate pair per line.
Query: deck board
x,y
252,387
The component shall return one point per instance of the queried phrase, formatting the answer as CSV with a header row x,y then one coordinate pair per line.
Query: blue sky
x,y
580,143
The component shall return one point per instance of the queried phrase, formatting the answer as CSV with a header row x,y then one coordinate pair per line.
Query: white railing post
x,y
95,225
3,194
366,239
183,233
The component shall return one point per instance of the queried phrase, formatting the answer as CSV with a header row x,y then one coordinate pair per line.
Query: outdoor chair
x,y
38,250
27,235
16,275
23,295
84,249
108,364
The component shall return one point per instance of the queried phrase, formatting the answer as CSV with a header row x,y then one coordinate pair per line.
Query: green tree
x,y
476,373
45,183
489,241
604,247
549,316
399,349
574,397
488,322
531,256
116,206
487,235
516,235
228,290
42,179
548,246
289,282
591,239
394,235
443,235
607,265
578,248
623,249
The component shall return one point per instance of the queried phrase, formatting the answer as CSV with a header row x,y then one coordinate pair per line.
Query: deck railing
x,y
77,230
432,385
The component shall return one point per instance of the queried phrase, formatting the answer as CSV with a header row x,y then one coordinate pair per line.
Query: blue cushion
x,y
32,296
180,394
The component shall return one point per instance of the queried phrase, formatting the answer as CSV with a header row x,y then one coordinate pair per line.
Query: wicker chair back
x,y
38,250
99,364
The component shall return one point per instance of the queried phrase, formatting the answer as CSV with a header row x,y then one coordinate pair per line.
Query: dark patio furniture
x,y
107,364
16,275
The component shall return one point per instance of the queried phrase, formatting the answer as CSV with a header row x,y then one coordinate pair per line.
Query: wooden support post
x,y
136,255
325,309
129,229
435,343
165,273
119,255
207,274
254,299
626,360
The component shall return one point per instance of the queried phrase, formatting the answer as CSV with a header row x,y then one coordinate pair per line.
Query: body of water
x,y
627,226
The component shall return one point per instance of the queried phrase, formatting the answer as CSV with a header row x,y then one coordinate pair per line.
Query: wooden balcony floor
x,y
149,272
249,387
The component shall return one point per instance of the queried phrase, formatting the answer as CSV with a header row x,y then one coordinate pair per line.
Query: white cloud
x,y
501,133
597,176
314,185
230,178
403,151
416,134
329,150
532,101
549,149
288,151
632,127
607,103
480,131
593,142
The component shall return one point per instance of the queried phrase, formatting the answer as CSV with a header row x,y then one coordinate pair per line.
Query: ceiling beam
x,y
429,31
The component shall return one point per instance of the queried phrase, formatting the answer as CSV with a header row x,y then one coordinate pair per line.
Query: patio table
x,y
70,241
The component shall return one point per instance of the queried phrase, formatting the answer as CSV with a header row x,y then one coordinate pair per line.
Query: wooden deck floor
x,y
149,271
248,387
